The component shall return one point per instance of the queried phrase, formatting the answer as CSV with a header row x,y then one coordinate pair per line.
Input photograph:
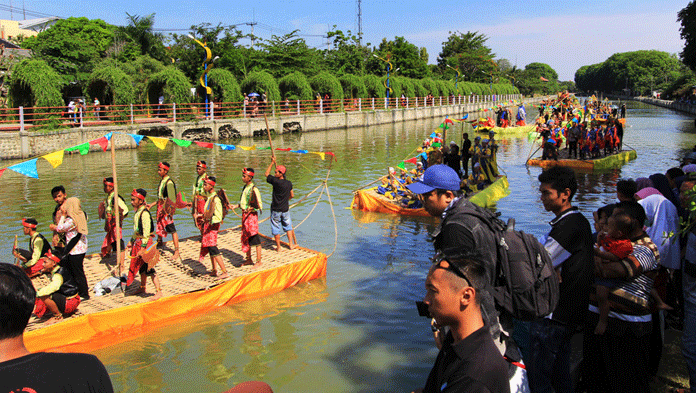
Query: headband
x,y
52,257
210,181
138,195
247,171
28,224
108,183
163,166
201,164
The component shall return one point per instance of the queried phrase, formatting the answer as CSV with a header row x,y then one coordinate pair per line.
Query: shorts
x,y
278,219
65,305
113,246
255,240
170,228
213,251
144,270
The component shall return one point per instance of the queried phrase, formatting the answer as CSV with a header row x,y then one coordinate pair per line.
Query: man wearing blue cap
x,y
462,230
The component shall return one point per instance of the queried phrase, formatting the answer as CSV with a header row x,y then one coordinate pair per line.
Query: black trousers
x,y
465,165
573,148
74,264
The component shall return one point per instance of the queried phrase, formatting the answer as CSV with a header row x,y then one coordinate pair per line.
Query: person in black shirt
x,y
22,371
468,360
570,246
282,193
466,145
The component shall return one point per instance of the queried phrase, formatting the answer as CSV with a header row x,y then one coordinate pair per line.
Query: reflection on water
x,y
356,330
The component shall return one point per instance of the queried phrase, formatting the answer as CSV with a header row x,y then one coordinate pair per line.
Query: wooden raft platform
x,y
186,285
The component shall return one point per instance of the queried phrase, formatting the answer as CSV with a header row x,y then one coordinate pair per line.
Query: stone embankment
x,y
677,106
26,144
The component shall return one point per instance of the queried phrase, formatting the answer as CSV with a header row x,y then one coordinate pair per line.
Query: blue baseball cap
x,y
440,177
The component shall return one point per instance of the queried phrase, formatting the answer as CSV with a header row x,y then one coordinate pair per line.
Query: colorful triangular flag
x,y
161,143
288,149
321,154
182,142
103,142
137,138
299,151
55,158
401,165
227,147
208,145
247,147
26,168
2,171
413,160
83,148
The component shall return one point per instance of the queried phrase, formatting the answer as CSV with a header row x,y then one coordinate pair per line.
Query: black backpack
x,y
525,283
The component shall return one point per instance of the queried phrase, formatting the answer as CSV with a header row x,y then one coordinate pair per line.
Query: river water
x,y
355,330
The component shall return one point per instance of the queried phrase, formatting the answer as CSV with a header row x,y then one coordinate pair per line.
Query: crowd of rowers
x,y
62,258
588,132
484,167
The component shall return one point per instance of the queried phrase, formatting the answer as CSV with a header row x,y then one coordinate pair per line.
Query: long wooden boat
x,y
599,164
369,200
188,289
508,130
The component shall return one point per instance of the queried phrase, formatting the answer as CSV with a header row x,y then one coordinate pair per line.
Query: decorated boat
x,y
596,164
369,200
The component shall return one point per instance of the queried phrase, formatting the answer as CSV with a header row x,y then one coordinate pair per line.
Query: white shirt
x,y
67,226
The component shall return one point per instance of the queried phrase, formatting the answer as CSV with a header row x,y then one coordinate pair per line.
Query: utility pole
x,y
252,33
359,22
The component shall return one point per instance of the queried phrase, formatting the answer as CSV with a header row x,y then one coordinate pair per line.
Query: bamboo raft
x,y
187,288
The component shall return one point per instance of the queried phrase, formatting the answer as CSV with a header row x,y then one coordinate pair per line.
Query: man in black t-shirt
x,y
280,206
468,360
23,371
570,246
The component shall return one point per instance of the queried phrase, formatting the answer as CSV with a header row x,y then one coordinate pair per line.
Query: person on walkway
x,y
460,230
140,242
166,206
73,222
468,360
199,196
689,284
22,371
570,246
250,203
113,234
618,360
209,220
280,205
466,154
60,295
97,108
31,260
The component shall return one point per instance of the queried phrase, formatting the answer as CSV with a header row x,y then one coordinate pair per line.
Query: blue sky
x,y
564,34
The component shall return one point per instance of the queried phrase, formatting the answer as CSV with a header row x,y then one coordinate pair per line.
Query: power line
x,y
12,9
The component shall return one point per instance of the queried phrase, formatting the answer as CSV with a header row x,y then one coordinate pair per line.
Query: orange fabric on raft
x,y
365,202
94,331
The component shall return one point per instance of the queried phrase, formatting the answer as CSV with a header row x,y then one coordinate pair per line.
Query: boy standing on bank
x,y
280,206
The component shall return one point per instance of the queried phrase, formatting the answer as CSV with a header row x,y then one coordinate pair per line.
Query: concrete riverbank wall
x,y
26,144
677,106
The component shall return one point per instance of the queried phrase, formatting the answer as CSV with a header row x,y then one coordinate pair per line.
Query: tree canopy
x,y
468,53
687,18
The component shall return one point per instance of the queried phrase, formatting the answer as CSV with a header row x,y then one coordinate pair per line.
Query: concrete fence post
x,y
273,104
298,107
131,113
373,103
21,118
244,108
321,106
81,123
385,102
174,111
407,103
359,104
212,111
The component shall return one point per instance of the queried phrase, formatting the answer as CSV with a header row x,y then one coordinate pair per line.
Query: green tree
x,y
288,53
346,55
403,55
467,52
687,18
538,78
138,37
73,46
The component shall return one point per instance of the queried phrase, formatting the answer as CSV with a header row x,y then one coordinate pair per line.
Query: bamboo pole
x,y
117,215
268,132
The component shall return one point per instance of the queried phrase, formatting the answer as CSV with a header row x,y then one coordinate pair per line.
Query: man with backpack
x,y
570,246
166,206
467,227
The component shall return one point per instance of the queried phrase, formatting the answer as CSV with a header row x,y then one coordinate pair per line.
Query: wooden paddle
x,y
14,247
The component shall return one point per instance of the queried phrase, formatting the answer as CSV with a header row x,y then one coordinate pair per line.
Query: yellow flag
x,y
321,154
247,147
161,143
55,158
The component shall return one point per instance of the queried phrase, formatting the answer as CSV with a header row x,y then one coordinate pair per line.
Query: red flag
x,y
2,171
543,79
103,142
204,144
448,121
413,160
332,155
288,149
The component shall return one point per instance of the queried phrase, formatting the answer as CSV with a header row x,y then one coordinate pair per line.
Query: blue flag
x,y
226,147
26,168
137,138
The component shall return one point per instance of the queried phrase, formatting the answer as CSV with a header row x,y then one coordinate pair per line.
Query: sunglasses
x,y
438,259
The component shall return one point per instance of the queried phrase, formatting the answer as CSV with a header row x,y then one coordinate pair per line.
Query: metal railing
x,y
22,118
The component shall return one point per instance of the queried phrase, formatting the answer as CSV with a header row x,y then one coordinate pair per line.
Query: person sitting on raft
x,y
59,296
475,182
31,260
140,243
418,172
391,187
